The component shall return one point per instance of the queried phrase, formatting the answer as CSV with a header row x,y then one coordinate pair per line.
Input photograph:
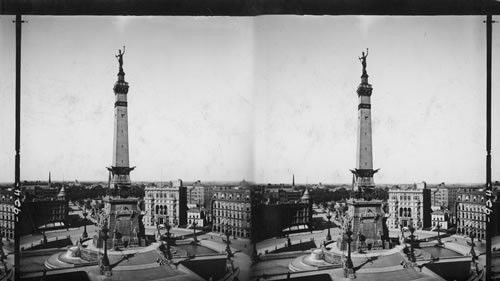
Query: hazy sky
x,y
225,98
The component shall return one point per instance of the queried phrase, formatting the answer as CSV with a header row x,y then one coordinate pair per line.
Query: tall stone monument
x,y
364,218
363,173
121,215
120,169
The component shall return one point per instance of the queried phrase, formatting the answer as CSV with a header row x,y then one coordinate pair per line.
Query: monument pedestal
x,y
366,223
122,221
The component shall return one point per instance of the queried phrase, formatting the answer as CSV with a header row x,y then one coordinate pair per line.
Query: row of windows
x,y
233,207
232,223
237,215
6,207
8,233
414,204
233,232
8,198
472,198
164,194
7,224
471,208
438,218
406,197
472,216
164,209
472,224
8,217
405,212
230,196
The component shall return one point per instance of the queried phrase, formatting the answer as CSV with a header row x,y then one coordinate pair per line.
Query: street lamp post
x,y
328,236
84,234
194,230
228,234
473,265
105,259
348,265
169,254
158,229
439,232
229,262
412,239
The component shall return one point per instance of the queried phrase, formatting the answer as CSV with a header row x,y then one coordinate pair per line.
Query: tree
x,y
87,203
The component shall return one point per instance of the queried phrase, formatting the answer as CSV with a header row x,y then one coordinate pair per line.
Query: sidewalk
x,y
220,248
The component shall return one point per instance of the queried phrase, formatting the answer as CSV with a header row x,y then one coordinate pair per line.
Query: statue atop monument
x,y
362,59
120,58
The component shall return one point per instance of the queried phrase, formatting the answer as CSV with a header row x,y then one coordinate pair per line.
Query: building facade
x,y
277,218
231,211
199,194
471,218
7,216
196,216
440,197
441,219
165,203
35,214
409,205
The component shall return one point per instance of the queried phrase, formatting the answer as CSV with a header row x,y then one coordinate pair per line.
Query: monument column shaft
x,y
120,146
364,159
120,168
364,154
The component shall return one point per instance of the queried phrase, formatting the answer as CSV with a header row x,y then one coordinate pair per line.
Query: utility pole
x,y
17,179
489,191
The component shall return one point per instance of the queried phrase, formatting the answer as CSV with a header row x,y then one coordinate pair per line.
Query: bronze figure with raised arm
x,y
363,60
120,58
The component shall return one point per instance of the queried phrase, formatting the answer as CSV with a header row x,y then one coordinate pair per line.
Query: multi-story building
x,y
452,199
440,218
275,219
444,197
471,218
409,205
440,197
38,192
196,215
288,195
7,216
165,203
38,213
198,194
231,210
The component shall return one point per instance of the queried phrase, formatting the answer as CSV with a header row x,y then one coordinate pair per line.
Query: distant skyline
x,y
260,99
